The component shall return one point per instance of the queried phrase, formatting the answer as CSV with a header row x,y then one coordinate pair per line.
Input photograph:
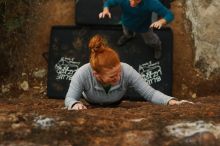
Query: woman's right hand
x,y
78,106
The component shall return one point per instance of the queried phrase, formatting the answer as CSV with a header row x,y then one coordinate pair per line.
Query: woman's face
x,y
134,3
109,76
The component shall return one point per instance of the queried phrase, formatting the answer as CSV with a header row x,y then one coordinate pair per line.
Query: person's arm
x,y
75,90
107,5
141,86
149,93
136,81
166,14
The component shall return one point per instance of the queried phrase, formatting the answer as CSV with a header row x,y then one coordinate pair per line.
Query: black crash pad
x,y
87,12
68,51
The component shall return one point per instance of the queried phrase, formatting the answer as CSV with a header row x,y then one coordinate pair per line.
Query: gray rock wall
x,y
205,19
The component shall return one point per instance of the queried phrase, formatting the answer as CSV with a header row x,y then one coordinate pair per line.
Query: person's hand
x,y
176,102
158,24
78,106
104,13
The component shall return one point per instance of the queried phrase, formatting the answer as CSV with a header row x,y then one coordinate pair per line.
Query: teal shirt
x,y
83,82
138,19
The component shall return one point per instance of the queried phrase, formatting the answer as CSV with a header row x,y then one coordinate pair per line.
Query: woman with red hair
x,y
105,80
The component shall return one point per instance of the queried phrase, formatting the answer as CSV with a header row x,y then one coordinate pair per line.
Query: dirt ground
x,y
130,123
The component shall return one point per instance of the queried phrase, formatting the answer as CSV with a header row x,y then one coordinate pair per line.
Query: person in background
x,y
136,18
104,80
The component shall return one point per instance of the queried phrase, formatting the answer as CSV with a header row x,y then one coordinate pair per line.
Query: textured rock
x,y
42,122
6,88
140,138
187,129
40,73
205,20
24,85
202,139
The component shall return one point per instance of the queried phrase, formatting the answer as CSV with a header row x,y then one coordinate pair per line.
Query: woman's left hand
x,y
176,102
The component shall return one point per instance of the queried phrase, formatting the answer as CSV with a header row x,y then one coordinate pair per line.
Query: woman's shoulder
x,y
85,66
126,68
84,69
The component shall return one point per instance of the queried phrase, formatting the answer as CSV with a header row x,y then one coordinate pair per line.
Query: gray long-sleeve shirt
x,y
83,82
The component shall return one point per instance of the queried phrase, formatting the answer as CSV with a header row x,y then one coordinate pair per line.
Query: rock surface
x,y
35,121
205,21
